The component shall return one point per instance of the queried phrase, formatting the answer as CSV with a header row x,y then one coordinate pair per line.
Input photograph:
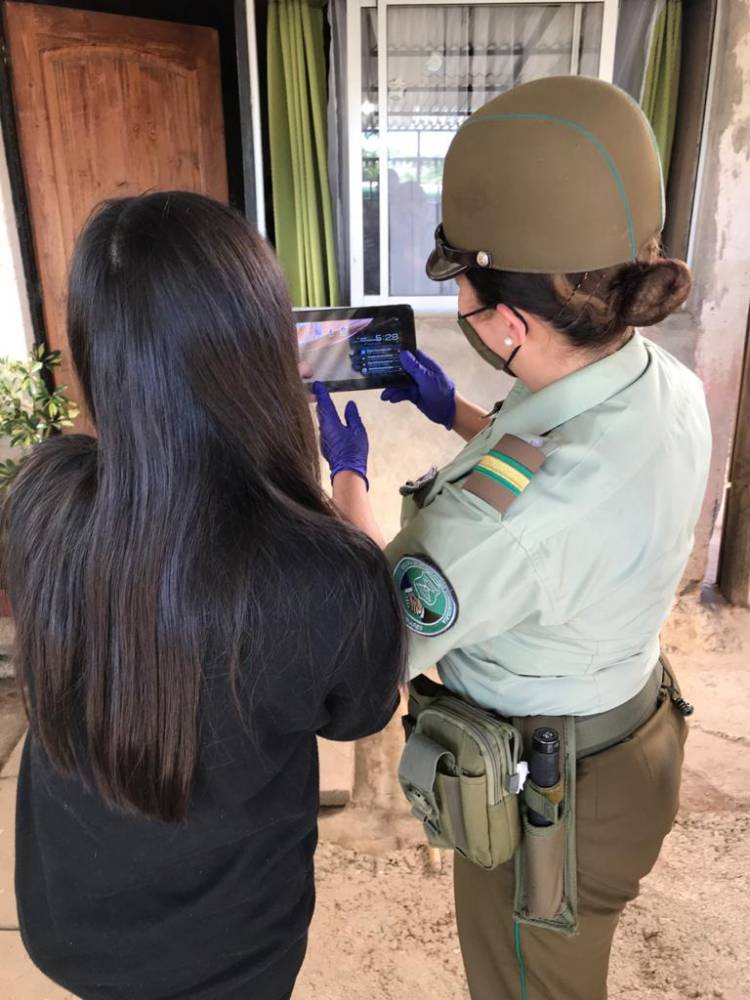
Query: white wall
x,y
721,251
16,335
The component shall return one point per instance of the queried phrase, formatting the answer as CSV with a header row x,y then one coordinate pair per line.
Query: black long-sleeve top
x,y
123,907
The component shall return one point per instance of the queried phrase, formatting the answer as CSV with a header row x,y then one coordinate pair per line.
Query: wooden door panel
x,y
108,105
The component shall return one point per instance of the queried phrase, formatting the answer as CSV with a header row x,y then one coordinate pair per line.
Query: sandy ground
x,y
384,927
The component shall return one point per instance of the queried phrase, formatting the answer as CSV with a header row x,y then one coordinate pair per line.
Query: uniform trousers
x,y
627,798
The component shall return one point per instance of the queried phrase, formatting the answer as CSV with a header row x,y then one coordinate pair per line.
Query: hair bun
x,y
648,292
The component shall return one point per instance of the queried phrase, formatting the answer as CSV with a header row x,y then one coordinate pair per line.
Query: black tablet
x,y
355,348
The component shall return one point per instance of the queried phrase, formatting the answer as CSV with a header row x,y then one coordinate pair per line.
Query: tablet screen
x,y
354,348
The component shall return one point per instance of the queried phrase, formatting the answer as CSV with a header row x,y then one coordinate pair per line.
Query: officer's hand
x,y
344,446
433,393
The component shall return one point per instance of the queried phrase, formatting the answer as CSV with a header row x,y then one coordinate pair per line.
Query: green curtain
x,y
662,78
303,216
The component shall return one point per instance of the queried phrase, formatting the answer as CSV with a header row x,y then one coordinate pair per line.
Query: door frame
x,y
16,205
244,151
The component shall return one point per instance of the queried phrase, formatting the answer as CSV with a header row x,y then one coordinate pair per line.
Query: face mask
x,y
481,348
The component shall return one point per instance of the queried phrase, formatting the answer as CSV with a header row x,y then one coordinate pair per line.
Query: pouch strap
x,y
452,802
416,774
539,803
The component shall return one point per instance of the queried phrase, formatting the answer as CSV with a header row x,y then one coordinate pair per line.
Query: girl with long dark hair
x,y
190,614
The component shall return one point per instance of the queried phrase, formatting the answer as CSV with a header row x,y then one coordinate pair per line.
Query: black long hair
x,y
132,557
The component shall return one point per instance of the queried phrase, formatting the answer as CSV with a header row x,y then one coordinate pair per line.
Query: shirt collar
x,y
561,401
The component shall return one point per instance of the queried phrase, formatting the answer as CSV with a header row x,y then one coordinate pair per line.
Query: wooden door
x,y
107,105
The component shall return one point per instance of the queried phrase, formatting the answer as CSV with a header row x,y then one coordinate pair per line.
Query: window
x,y
416,71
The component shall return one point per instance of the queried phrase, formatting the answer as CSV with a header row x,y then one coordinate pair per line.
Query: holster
x,y
545,863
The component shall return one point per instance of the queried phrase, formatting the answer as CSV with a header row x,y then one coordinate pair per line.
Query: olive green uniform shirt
x,y
560,599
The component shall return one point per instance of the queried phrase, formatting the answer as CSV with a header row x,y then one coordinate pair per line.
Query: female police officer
x,y
553,545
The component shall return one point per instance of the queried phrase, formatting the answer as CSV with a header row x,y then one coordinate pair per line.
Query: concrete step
x,y
336,772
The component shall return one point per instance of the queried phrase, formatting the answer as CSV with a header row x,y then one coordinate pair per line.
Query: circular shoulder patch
x,y
429,603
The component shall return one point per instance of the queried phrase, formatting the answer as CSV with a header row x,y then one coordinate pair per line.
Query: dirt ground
x,y
384,927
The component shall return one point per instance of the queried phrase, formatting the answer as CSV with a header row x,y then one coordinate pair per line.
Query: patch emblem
x,y
428,600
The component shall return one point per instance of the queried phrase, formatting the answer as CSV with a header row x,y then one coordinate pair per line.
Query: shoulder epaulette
x,y
505,472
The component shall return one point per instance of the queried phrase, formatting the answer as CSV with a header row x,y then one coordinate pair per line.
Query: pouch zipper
x,y
466,718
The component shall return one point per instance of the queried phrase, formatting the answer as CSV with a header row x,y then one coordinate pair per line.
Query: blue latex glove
x,y
433,393
344,446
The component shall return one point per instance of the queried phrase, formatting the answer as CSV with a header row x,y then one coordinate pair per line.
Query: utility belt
x,y
463,772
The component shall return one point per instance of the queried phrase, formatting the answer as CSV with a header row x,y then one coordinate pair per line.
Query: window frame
x,y
421,303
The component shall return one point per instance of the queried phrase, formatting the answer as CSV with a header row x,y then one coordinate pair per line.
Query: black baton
x,y
544,766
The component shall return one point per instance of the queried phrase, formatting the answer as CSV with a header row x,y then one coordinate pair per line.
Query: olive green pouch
x,y
459,771
546,880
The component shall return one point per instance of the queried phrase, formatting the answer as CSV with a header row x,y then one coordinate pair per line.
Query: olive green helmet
x,y
559,175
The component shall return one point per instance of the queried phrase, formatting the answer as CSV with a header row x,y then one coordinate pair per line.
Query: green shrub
x,y
29,411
